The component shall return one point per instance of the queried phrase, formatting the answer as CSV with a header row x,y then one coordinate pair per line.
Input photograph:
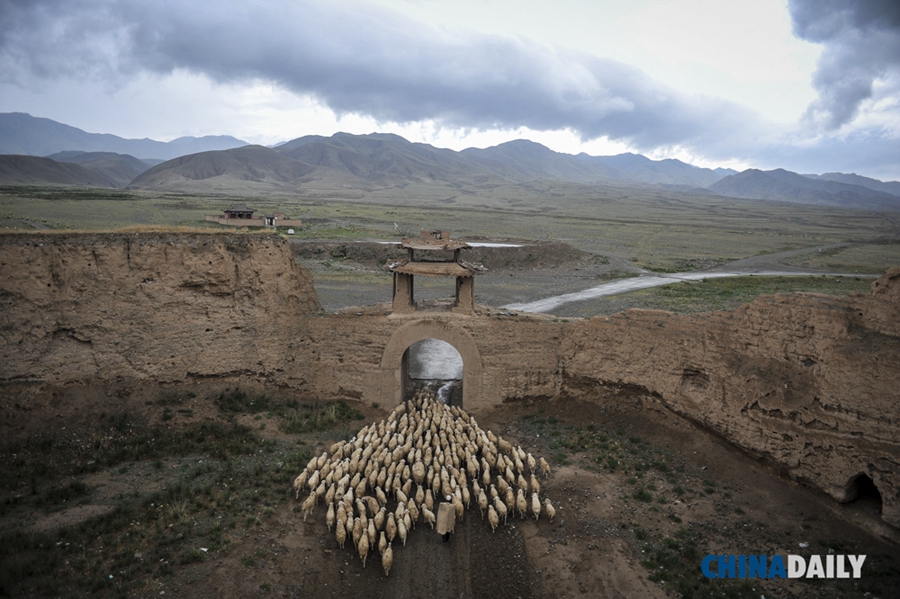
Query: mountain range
x,y
21,133
347,165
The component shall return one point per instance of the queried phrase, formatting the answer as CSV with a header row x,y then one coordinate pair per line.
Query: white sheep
x,y
330,517
428,515
521,504
363,548
535,505
501,509
493,518
387,559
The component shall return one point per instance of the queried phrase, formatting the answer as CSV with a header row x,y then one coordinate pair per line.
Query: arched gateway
x,y
394,366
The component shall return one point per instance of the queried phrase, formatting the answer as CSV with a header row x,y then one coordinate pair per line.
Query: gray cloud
x,y
359,59
862,46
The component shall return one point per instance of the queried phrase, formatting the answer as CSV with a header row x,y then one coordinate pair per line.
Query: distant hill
x,y
34,170
223,168
386,159
380,164
891,187
530,160
526,160
667,172
120,168
787,186
21,133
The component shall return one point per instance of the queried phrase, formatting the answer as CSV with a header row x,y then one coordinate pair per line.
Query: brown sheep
x,y
548,507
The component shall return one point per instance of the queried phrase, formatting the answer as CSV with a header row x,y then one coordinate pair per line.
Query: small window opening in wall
x,y
862,490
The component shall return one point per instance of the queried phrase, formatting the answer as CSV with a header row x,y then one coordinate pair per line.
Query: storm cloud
x,y
861,49
366,60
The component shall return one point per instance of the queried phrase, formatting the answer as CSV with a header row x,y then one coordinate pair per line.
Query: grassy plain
x,y
631,229
708,295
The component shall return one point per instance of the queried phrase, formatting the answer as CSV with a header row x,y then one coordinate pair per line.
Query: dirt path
x,y
766,265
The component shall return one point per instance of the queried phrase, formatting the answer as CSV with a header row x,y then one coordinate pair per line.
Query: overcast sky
x,y
807,85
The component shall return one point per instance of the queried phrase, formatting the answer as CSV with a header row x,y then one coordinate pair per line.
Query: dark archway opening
x,y
436,364
862,491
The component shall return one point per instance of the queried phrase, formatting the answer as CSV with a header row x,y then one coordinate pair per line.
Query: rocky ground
x,y
642,496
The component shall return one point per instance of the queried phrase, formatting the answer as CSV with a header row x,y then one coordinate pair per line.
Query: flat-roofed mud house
x,y
239,215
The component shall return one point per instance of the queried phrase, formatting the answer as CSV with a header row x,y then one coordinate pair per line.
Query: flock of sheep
x,y
377,485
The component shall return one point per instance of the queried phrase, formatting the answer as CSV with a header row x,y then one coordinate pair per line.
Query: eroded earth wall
x,y
150,307
810,382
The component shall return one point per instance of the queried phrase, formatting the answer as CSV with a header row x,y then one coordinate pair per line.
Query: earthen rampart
x,y
809,382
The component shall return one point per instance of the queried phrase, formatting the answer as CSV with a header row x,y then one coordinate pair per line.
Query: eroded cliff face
x,y
147,306
810,382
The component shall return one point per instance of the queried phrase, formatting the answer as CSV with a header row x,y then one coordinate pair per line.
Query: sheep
x,y
387,559
407,520
402,531
548,507
308,505
523,485
363,548
313,481
510,477
413,511
340,534
493,518
428,515
521,504
440,449
482,503
357,530
372,504
420,495
329,517
300,482
458,506
391,527
501,509
545,467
